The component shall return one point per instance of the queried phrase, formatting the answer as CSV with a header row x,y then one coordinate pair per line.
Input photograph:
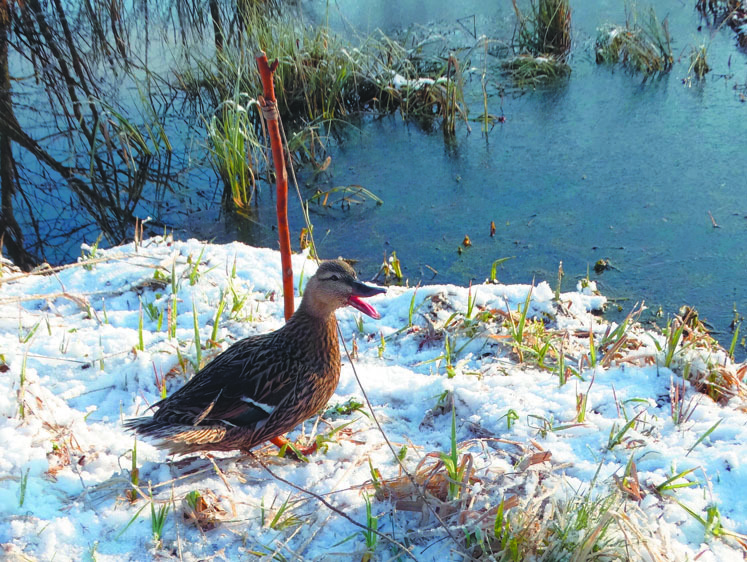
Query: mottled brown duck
x,y
263,386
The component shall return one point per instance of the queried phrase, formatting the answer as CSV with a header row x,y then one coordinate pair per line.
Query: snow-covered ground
x,y
577,465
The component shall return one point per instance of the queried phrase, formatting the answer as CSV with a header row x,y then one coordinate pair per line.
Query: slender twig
x,y
46,270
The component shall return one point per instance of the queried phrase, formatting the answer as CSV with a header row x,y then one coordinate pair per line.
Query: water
x,y
601,166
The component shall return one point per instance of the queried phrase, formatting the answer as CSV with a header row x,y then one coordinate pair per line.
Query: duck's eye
x,y
334,277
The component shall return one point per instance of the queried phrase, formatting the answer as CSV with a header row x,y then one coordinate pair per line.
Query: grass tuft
x,y
698,62
531,71
22,487
235,151
642,45
203,509
369,535
546,28
157,521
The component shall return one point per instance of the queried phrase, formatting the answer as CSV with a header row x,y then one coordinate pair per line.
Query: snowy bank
x,y
584,430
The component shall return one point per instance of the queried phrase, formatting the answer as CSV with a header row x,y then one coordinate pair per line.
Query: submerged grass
x,y
344,196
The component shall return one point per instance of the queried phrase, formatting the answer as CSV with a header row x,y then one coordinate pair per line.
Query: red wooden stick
x,y
269,109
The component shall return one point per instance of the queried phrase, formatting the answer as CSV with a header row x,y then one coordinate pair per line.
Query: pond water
x,y
598,166
601,166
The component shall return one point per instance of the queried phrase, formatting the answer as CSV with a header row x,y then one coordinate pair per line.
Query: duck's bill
x,y
361,291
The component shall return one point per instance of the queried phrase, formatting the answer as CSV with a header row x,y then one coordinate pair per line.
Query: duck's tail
x,y
178,438
146,426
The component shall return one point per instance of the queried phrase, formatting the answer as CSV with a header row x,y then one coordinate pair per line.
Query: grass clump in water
x,y
526,70
428,95
319,79
318,75
698,62
640,45
546,28
234,150
544,41
718,8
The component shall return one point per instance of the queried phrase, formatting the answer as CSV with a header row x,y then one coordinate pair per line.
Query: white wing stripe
x,y
264,407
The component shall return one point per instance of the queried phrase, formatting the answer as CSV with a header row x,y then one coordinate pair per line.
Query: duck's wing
x,y
260,395
243,386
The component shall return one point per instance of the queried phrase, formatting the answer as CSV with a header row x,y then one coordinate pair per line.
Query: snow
x,y
400,82
70,354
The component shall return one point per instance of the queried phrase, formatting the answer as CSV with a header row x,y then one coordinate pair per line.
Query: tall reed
x,y
545,28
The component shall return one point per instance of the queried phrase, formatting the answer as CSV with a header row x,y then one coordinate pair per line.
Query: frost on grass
x,y
520,425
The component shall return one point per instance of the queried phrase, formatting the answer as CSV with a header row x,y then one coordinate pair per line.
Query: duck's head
x,y
335,285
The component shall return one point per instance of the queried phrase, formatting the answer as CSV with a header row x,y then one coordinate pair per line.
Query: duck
x,y
265,385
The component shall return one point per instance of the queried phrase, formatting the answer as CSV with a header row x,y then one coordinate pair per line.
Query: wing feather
x,y
243,386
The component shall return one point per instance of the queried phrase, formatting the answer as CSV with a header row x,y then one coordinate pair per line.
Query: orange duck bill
x,y
362,291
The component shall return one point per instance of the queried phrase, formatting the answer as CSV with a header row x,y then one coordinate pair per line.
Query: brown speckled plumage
x,y
265,385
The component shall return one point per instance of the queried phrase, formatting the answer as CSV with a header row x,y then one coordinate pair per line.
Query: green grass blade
x,y
706,434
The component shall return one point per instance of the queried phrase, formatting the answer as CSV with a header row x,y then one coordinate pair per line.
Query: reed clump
x,y
234,150
733,12
642,45
546,28
543,43
318,77
526,70
322,78
699,62
717,8
319,80
426,90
